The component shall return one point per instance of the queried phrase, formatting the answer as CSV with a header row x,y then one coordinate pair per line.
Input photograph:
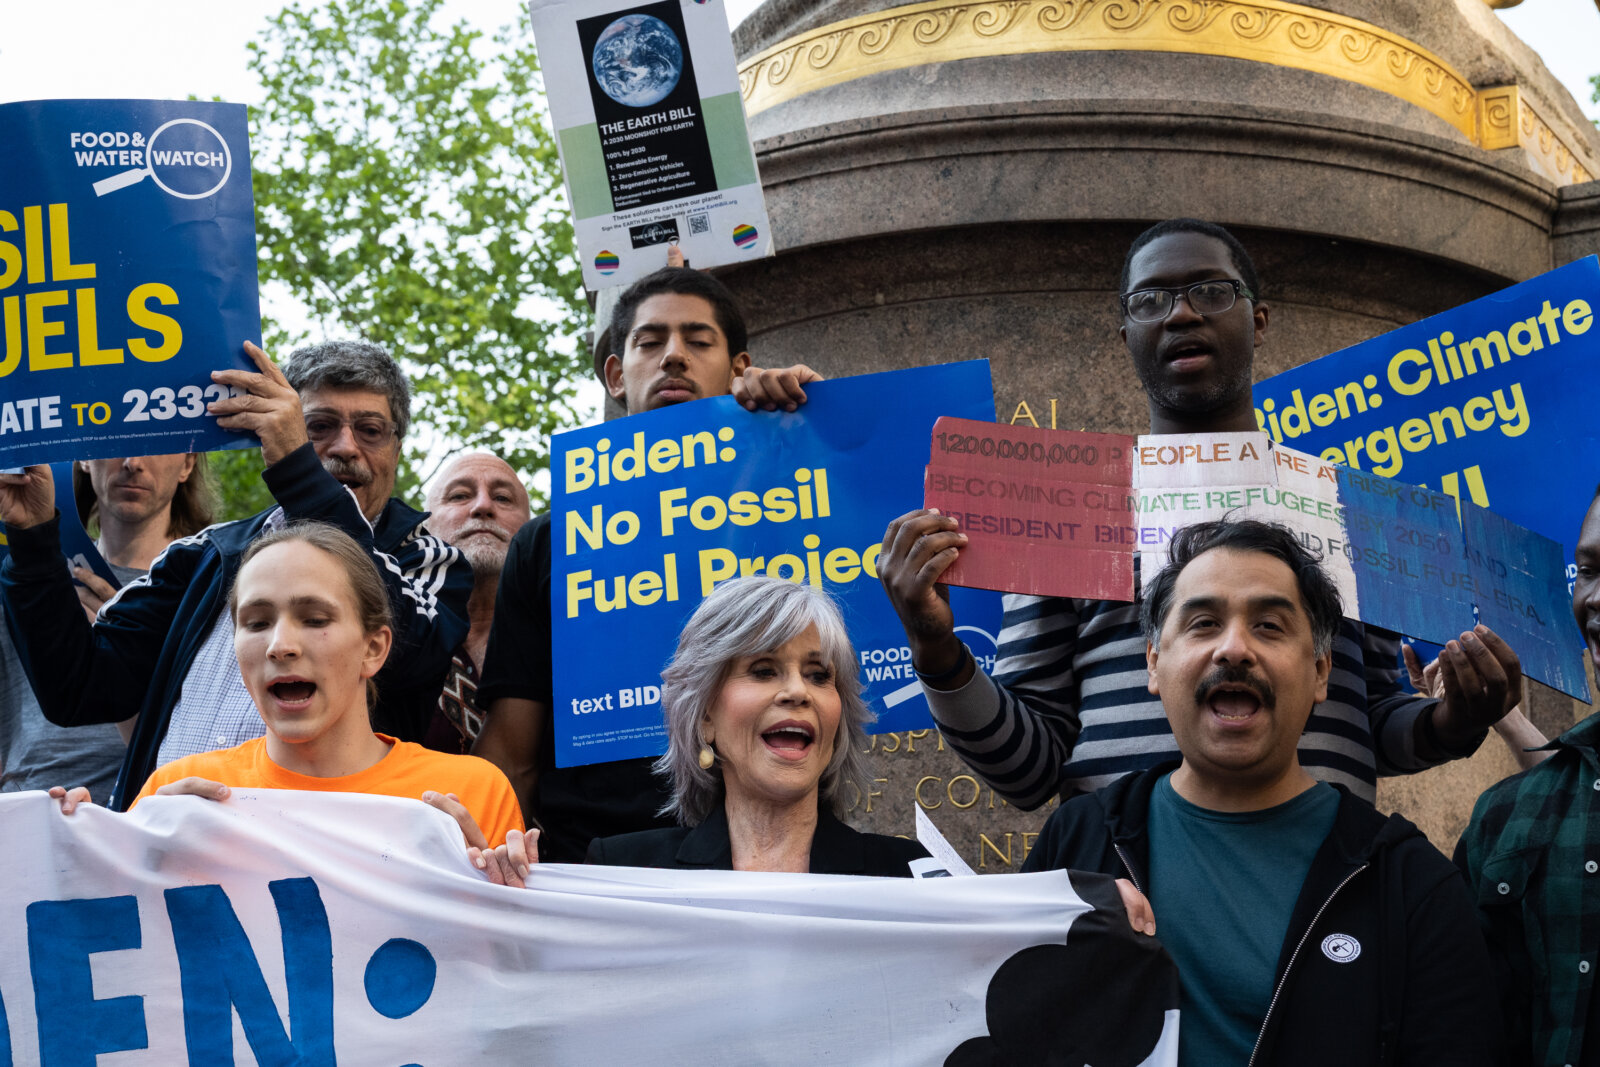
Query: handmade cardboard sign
x,y
1045,512
1399,555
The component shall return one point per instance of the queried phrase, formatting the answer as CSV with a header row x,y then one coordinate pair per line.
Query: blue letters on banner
x,y
74,1025
1422,572
127,275
1490,403
650,512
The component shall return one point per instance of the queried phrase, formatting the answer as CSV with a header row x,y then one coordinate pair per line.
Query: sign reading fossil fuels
x,y
127,275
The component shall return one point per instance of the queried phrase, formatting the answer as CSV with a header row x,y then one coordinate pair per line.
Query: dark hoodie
x,y
1419,992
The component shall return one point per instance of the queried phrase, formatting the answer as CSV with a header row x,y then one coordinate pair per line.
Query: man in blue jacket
x,y
330,425
1307,927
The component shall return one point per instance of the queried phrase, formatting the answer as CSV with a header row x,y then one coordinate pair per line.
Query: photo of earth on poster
x,y
637,60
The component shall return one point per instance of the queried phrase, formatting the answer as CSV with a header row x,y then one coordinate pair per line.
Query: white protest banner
x,y
295,928
650,124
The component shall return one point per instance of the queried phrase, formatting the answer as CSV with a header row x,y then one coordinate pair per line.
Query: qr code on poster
x,y
699,224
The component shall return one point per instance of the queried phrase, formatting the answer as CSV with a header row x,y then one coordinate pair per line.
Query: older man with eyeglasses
x,y
1067,710
330,425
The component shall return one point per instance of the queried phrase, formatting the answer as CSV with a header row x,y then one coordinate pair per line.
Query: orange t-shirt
x,y
407,771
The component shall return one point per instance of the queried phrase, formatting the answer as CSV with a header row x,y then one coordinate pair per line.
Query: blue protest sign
x,y
1526,602
76,544
1488,402
127,275
649,513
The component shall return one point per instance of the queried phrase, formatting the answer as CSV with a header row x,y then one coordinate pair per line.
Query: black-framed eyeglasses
x,y
368,430
1206,298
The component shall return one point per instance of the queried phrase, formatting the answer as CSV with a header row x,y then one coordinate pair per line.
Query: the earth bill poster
x,y
645,102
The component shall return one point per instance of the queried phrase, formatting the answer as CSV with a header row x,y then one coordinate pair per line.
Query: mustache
x,y
1235,675
481,526
347,470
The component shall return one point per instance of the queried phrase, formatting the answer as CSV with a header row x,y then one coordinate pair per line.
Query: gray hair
x,y
352,365
746,617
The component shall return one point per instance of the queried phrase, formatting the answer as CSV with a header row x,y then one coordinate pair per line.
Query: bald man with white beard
x,y
477,503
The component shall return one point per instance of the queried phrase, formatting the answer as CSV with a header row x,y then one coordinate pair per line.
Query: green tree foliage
x,y
408,192
240,490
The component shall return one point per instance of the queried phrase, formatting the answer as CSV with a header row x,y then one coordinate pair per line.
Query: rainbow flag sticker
x,y
607,262
744,235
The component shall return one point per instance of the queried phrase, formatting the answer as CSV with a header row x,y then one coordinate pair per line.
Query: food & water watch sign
x,y
127,275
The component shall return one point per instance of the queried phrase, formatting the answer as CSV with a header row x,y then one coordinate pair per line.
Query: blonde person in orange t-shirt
x,y
311,629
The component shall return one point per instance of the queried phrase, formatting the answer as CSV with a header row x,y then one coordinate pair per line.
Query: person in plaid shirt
x,y
1532,858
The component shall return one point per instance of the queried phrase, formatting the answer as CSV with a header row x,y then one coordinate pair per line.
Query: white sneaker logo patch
x,y
1341,948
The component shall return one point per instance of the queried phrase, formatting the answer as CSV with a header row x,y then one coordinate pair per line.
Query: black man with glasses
x,y
330,423
1067,709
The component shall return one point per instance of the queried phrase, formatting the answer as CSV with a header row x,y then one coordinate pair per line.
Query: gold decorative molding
x,y
1497,117
1265,31
1507,120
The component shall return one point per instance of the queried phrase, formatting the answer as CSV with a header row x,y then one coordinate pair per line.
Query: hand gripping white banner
x,y
296,928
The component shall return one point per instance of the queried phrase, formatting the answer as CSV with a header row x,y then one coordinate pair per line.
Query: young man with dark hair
x,y
1066,710
676,335
330,424
1307,927
1532,859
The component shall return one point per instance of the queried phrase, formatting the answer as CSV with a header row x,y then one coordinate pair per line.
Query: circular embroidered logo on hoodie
x,y
1341,948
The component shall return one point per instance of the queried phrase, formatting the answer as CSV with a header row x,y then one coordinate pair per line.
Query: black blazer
x,y
835,849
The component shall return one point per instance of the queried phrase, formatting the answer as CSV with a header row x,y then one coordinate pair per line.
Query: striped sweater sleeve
x,y
1016,736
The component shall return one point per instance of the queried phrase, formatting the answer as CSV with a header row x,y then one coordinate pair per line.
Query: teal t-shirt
x,y
1223,886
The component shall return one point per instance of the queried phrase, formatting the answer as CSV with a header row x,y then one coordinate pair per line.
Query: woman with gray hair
x,y
765,734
